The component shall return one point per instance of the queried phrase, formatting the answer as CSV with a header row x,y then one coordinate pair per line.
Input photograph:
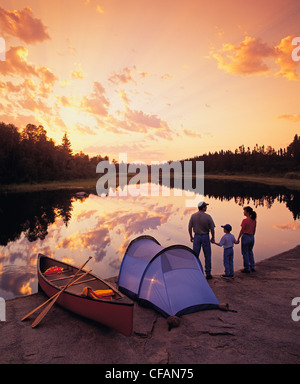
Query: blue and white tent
x,y
168,279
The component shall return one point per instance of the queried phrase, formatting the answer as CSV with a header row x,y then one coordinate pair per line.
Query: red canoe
x,y
116,311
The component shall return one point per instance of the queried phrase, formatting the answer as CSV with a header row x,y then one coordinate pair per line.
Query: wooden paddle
x,y
52,297
52,302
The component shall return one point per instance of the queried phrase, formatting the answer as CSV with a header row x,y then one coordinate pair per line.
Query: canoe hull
x,y
116,314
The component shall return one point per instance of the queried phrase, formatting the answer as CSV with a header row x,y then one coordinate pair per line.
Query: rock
x,y
173,322
261,331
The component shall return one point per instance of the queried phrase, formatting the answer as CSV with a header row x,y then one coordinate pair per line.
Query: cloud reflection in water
x,y
59,225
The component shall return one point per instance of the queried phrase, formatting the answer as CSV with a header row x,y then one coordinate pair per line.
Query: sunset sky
x,y
158,79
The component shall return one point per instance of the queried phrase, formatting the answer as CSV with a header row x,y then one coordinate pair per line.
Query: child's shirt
x,y
227,240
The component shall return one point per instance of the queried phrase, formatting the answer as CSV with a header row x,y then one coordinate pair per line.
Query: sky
x,y
159,80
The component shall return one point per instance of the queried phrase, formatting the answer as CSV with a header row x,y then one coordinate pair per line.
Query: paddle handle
x,y
79,270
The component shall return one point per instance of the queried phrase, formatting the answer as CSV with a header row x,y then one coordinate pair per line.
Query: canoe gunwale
x,y
116,313
121,300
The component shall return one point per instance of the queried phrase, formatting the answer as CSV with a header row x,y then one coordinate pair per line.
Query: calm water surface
x,y
70,229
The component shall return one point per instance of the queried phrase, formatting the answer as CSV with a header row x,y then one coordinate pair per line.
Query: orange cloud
x,y
23,24
247,58
85,130
95,241
284,59
64,100
29,95
144,74
96,103
9,87
26,289
190,133
166,76
293,118
129,121
140,121
123,77
287,226
124,97
16,64
99,9
77,74
32,103
139,222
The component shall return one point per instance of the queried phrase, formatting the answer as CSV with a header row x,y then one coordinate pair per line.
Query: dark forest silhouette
x,y
30,156
259,160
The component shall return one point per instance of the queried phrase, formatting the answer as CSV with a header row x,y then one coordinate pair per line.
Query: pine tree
x,y
66,145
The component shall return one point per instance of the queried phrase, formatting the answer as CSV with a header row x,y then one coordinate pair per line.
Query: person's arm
x,y
191,230
211,226
212,235
191,234
220,243
240,234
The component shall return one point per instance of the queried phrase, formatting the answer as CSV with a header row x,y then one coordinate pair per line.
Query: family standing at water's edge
x,y
202,224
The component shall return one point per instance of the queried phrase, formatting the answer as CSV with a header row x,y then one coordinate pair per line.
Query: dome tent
x,y
168,279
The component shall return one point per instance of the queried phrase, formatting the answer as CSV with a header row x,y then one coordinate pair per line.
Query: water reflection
x,y
66,227
254,193
31,214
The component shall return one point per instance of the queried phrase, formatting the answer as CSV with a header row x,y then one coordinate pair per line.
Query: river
x,y
71,229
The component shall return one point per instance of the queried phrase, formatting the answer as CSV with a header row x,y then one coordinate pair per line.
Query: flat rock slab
x,y
261,331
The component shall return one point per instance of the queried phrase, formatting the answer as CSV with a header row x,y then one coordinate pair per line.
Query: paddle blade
x,y
44,312
40,306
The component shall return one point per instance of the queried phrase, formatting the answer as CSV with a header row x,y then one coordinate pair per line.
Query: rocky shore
x,y
261,330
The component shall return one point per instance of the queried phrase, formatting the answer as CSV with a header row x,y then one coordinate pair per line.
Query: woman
x,y
247,233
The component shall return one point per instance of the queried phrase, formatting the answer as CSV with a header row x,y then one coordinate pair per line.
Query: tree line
x,y
30,156
259,160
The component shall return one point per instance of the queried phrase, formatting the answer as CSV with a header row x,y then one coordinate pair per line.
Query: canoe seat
x,y
104,294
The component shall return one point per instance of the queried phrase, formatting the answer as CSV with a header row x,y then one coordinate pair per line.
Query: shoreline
x,y
261,331
292,184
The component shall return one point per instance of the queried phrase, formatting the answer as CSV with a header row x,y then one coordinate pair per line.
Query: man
x,y
202,224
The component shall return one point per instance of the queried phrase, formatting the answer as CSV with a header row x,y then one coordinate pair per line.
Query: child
x,y
227,242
